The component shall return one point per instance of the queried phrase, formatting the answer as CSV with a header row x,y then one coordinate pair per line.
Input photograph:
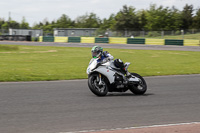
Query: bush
x,y
177,32
153,34
35,39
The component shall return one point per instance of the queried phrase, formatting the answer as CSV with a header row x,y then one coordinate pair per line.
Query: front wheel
x,y
140,88
99,89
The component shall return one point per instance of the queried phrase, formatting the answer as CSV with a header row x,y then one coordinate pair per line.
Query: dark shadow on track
x,y
127,94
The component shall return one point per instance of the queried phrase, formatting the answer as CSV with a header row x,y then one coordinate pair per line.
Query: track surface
x,y
62,106
119,46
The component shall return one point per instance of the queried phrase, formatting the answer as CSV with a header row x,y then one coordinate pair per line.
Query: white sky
x,y
38,10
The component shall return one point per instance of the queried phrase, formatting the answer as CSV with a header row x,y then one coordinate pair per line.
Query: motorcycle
x,y
104,77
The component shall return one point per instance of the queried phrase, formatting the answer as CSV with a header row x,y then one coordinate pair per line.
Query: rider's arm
x,y
108,55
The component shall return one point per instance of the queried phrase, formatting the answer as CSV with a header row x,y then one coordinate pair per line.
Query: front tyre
x,y
139,88
99,89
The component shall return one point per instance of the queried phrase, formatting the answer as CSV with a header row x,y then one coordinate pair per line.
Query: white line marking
x,y
126,128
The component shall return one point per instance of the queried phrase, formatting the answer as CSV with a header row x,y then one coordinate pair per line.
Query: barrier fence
x,y
109,40
118,40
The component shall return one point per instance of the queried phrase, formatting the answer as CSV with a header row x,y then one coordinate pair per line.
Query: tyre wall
x,y
116,40
60,39
87,40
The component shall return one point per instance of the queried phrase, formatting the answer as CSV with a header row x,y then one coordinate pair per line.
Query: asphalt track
x,y
118,46
66,106
69,106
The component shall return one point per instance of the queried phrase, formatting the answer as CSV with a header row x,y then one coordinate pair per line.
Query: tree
x,y
88,21
158,18
80,21
108,23
196,20
187,16
2,21
24,24
12,24
175,22
64,22
93,21
163,18
127,19
142,15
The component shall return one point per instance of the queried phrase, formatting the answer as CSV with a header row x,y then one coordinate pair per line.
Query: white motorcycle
x,y
105,77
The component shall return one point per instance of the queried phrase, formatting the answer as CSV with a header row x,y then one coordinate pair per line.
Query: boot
x,y
126,65
128,74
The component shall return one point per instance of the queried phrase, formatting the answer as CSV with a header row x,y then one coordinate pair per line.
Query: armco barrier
x,y
154,41
61,39
173,42
48,39
135,41
74,39
113,40
87,39
191,42
101,40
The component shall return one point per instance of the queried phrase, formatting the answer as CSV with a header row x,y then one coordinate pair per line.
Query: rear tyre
x,y
93,84
140,88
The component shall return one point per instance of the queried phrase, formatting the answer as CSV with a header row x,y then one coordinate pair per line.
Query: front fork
x,y
100,81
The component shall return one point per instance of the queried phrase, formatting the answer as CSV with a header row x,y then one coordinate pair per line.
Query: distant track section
x,y
117,46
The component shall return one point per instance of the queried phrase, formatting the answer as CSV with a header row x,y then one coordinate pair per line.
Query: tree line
x,y
128,18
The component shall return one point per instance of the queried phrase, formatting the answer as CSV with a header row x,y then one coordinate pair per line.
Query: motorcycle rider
x,y
97,52
104,56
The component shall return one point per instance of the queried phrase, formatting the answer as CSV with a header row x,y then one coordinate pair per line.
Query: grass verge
x,y
38,63
181,37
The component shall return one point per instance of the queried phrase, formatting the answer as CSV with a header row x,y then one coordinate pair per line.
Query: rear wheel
x,y
99,89
139,88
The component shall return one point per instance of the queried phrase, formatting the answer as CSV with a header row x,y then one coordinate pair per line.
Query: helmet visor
x,y
94,54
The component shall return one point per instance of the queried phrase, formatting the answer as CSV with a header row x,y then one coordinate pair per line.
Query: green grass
x,y
35,63
8,48
186,36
